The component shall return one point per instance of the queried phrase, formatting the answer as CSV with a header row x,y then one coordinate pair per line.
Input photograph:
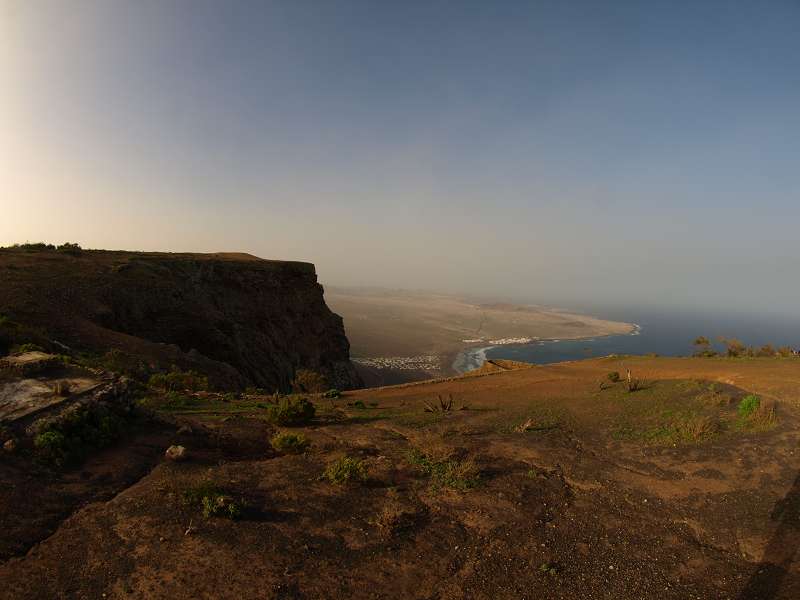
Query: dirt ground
x,y
549,482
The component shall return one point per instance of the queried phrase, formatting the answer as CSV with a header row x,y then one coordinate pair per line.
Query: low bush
x,y
452,473
69,248
703,347
70,439
748,405
309,382
290,412
344,470
734,348
634,385
177,380
332,393
289,443
766,351
27,347
549,569
170,401
699,428
613,377
52,447
31,247
251,390
213,501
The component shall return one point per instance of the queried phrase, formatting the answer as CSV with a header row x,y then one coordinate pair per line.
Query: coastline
x,y
470,359
473,357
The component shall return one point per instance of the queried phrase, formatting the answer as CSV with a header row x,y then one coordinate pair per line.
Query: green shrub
x,y
52,447
169,401
176,380
359,404
734,348
549,568
613,376
766,351
289,443
703,347
78,433
69,248
291,412
749,405
213,501
345,469
452,473
27,347
309,382
332,393
31,247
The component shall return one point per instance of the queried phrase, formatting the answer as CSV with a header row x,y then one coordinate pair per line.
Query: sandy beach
x,y
386,326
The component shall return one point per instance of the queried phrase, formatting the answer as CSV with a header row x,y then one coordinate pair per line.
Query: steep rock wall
x,y
242,319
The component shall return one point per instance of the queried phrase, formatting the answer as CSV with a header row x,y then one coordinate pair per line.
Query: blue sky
x,y
561,152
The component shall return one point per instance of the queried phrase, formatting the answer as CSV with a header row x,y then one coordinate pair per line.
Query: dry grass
x,y
699,428
396,516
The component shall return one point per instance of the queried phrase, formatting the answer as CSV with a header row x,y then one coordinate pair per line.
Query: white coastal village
x,y
430,362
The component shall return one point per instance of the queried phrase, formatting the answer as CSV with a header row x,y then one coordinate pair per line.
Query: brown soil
x,y
584,491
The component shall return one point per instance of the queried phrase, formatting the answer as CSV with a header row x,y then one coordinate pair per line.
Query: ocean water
x,y
666,334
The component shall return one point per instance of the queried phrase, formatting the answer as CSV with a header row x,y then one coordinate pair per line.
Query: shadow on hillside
x,y
772,578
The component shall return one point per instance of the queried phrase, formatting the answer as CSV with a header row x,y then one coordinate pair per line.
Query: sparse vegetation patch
x,y
213,501
748,405
71,438
177,380
450,472
291,412
289,443
443,406
307,381
170,401
755,414
344,470
27,347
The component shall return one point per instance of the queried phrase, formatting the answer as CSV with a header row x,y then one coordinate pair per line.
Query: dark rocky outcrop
x,y
240,319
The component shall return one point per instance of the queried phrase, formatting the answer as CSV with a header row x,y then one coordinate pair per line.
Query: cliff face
x,y
243,320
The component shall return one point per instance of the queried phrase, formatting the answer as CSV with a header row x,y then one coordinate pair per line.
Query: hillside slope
x,y
238,318
542,482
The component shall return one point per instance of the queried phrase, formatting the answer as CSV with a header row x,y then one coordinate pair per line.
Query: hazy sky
x,y
597,152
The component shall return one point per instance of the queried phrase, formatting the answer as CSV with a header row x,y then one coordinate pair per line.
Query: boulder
x,y
175,453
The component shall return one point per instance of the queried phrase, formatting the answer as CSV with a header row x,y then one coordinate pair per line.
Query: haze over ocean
x,y
616,153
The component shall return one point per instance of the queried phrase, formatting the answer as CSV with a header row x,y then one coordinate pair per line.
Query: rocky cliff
x,y
240,319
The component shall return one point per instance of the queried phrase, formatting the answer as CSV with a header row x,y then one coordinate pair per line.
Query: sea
x,y
666,333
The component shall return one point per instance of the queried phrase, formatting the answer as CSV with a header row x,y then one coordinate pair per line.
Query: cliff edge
x,y
240,319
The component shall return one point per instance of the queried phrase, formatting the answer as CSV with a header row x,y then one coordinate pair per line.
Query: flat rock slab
x,y
25,396
28,363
